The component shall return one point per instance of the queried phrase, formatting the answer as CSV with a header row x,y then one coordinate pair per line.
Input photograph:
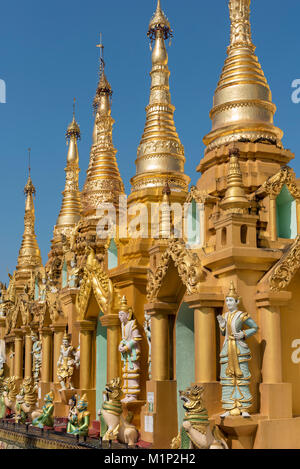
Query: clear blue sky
x,y
48,56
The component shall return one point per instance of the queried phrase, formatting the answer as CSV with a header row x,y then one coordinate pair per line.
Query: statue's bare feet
x,y
226,414
246,415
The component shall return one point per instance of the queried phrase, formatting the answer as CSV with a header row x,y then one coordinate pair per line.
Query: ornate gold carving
x,y
239,12
201,197
97,281
256,136
159,20
187,263
286,268
228,106
160,181
274,184
18,310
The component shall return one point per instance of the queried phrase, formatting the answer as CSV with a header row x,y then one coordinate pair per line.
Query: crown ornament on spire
x,y
159,22
73,129
29,187
103,85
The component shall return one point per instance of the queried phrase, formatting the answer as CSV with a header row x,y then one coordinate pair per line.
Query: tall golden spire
x,y
70,210
242,108
103,182
29,254
235,197
160,155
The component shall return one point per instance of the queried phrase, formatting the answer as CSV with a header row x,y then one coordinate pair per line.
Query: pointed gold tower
x,y
242,108
70,210
103,182
235,197
29,254
160,156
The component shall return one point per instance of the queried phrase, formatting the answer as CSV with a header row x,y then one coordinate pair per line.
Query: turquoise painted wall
x,y
193,222
112,255
185,353
286,215
101,363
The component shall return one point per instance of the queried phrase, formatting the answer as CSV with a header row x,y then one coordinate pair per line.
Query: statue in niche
x,y
36,356
234,357
130,353
73,277
147,329
42,289
66,363
53,270
28,294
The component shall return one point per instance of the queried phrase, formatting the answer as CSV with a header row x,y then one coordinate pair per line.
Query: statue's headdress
x,y
232,293
125,307
49,397
83,402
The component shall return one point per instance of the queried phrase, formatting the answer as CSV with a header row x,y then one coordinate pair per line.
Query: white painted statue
x,y
66,363
237,326
42,290
73,274
130,353
36,356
